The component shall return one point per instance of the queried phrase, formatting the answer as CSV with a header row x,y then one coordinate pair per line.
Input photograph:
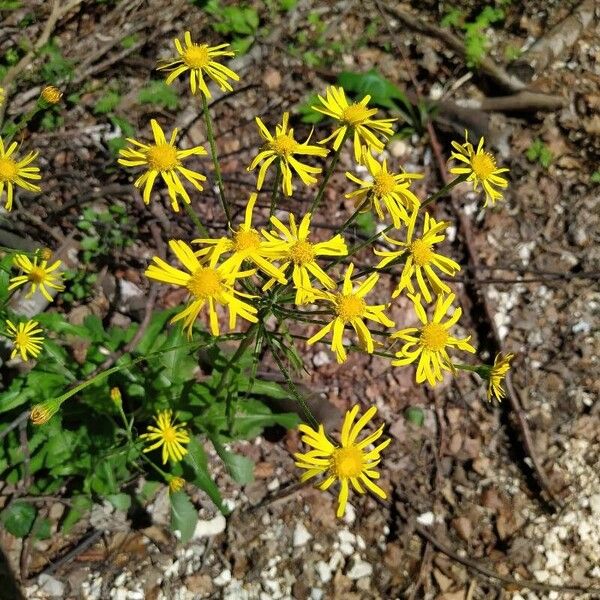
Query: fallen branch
x,y
522,101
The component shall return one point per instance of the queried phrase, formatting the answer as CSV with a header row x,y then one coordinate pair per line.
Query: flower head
x,y
293,247
115,396
25,340
390,189
481,169
199,60
51,94
352,463
17,172
245,244
283,148
351,309
41,275
207,283
428,343
421,259
41,413
496,375
176,484
168,435
356,119
164,159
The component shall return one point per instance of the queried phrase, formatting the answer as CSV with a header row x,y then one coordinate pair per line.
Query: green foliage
x,y
10,4
159,93
56,68
129,41
415,415
595,177
366,223
306,112
18,518
540,153
237,22
512,52
183,516
107,102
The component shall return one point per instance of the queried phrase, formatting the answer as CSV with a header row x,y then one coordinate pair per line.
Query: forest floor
x,y
468,514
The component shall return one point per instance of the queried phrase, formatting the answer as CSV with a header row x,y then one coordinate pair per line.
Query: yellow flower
x,y
16,172
283,147
199,59
352,463
207,283
42,413
293,247
428,343
41,276
390,189
25,340
246,244
164,159
115,396
350,308
168,435
496,375
176,484
481,169
421,259
51,94
355,118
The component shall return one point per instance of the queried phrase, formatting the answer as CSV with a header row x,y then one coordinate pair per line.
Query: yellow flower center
x,y
36,274
347,462
162,157
383,184
169,435
205,283
22,339
196,57
246,240
283,145
8,169
302,253
483,164
350,307
421,252
434,337
355,114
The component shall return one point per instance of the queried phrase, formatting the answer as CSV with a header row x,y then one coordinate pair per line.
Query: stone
x,y
300,536
210,528
51,587
359,569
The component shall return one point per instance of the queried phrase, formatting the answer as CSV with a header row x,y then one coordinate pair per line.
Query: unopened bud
x,y
51,94
115,396
176,484
42,413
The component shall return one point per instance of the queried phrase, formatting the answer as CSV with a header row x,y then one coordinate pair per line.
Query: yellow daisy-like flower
x,y
164,159
168,435
357,119
389,189
17,172
41,275
246,244
428,343
25,340
294,248
496,375
351,463
350,308
481,169
207,283
421,259
282,147
199,59
176,484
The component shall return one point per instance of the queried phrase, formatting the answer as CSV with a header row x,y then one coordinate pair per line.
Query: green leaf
x,y
366,223
183,516
241,468
415,415
595,177
121,502
382,92
43,529
241,45
155,328
129,41
79,507
18,518
107,103
159,93
14,396
178,364
196,459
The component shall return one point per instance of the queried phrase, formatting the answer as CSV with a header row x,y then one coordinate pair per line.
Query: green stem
x,y
328,173
444,191
275,192
215,159
355,214
196,219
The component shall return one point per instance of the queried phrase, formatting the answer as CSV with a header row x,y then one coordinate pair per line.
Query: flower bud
x,y
176,484
42,413
51,94
115,396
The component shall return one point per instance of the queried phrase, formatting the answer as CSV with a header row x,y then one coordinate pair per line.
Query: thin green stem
x,y
328,174
196,219
355,214
444,191
275,193
215,158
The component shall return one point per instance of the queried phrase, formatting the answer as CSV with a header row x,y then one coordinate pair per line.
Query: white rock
x,y
51,587
595,504
321,358
316,594
323,571
359,569
337,560
273,485
301,536
210,528
350,515
347,549
426,519
346,537
222,578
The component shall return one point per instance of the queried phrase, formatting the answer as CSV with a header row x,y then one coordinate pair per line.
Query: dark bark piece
x,y
554,43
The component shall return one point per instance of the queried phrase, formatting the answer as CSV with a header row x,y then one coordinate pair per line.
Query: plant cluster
x,y
142,402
